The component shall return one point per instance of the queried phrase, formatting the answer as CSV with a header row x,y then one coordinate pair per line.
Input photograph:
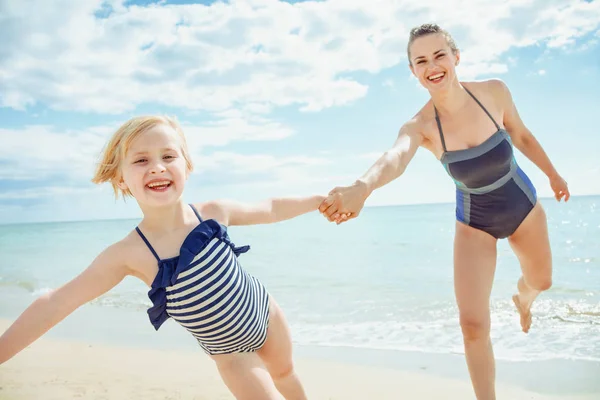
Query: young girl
x,y
184,254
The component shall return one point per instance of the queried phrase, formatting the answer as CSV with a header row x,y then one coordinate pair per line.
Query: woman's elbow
x,y
524,140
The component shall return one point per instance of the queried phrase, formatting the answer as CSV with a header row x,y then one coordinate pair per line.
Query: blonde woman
x,y
472,128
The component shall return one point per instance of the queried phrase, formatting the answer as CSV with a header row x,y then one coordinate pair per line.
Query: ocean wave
x,y
560,330
29,286
563,328
128,300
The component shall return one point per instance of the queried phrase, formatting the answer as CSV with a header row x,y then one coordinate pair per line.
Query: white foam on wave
x,y
41,291
560,330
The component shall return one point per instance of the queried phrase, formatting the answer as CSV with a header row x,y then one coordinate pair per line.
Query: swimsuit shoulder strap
x,y
196,212
147,242
439,124
484,109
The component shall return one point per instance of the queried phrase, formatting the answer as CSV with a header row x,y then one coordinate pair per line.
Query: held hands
x,y
560,188
344,203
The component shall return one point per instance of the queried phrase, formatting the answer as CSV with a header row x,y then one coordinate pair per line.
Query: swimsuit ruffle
x,y
169,269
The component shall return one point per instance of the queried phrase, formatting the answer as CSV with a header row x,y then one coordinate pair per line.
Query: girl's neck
x,y
451,100
166,218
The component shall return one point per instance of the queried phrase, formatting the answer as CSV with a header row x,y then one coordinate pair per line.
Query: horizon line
x,y
366,207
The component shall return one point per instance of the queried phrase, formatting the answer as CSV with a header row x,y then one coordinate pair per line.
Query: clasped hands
x,y
344,203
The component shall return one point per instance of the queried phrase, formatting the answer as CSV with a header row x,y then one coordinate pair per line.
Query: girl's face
x,y
433,62
154,169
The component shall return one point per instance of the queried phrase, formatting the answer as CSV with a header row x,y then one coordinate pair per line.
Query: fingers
x,y
338,217
344,217
332,208
331,211
561,189
562,194
326,203
566,192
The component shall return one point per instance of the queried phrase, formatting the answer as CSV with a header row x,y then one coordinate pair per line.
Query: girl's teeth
x,y
158,184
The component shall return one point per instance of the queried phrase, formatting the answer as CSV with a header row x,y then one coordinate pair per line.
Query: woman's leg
x,y
531,244
474,268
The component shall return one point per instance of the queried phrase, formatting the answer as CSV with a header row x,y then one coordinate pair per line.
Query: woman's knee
x,y
540,283
474,329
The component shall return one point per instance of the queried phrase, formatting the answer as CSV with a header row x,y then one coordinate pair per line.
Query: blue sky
x,y
276,98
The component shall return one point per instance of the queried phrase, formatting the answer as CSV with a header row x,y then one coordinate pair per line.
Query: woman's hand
x,y
560,188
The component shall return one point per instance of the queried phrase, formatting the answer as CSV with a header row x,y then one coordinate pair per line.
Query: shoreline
x,y
62,368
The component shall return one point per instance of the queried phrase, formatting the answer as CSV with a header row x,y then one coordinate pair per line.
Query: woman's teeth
x,y
436,76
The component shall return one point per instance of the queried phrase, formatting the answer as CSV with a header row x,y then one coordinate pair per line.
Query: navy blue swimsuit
x,y
492,193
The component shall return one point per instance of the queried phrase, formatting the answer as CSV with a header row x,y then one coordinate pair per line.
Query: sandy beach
x,y
68,369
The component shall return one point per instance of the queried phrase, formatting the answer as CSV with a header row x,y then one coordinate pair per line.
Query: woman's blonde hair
x,y
109,167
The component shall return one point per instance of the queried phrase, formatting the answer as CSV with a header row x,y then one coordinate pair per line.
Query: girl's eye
x,y
140,160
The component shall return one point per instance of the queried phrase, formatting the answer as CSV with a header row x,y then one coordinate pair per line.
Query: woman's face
x,y
433,62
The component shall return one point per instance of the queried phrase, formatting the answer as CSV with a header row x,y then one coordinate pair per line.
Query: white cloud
x,y
250,54
50,191
575,19
542,72
370,156
249,164
388,83
44,152
39,152
234,126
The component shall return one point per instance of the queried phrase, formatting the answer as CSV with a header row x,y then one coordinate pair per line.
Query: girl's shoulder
x,y
133,253
214,209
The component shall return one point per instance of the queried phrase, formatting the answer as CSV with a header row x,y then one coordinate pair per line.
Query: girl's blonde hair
x,y
109,167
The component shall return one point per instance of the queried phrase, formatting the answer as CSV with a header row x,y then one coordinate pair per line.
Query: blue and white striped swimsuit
x,y
207,292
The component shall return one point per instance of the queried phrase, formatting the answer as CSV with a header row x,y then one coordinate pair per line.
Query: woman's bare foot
x,y
524,312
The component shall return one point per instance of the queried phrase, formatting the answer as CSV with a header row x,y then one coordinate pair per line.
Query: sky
x,y
276,98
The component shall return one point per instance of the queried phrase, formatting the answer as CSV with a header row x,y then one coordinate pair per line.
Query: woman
x,y
471,128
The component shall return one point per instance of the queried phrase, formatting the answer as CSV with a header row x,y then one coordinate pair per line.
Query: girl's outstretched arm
x,y
265,212
105,272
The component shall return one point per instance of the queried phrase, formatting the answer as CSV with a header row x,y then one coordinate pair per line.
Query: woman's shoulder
x,y
490,91
491,87
423,120
421,117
